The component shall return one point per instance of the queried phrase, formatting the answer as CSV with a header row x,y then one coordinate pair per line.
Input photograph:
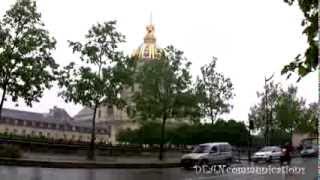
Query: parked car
x,y
208,154
267,154
309,151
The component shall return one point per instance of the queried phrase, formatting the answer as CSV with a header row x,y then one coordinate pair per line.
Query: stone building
x,y
56,124
110,116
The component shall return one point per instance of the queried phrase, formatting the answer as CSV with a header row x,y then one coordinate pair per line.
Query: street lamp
x,y
266,136
251,127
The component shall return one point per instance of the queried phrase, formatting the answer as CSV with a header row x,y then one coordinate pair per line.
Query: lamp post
x,y
251,127
266,136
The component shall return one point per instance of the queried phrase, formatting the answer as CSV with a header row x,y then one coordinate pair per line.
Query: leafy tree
x,y
309,121
230,131
101,81
289,110
308,62
27,67
286,111
214,90
164,90
268,99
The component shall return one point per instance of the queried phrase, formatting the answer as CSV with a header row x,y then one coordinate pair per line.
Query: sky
x,y
252,39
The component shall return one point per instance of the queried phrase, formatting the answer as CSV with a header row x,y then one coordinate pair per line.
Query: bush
x,y
10,151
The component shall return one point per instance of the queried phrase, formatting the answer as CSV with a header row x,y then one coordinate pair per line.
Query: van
x,y
218,153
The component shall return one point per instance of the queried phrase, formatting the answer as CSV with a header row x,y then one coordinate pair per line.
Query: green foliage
x,y
164,90
10,151
230,131
309,61
164,87
26,64
214,91
258,111
287,112
108,70
101,81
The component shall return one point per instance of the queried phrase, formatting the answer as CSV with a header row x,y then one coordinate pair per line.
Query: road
x,y
29,173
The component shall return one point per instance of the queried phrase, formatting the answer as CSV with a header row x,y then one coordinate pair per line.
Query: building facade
x,y
111,116
56,125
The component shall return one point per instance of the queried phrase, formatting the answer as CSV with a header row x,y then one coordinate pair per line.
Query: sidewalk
x,y
76,161
144,158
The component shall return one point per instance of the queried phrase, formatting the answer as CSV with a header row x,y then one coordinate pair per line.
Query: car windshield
x,y
266,149
201,149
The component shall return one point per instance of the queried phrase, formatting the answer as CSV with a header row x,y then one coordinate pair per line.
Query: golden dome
x,y
148,50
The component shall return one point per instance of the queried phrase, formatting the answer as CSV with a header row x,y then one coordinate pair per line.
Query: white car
x,y
309,150
208,153
267,154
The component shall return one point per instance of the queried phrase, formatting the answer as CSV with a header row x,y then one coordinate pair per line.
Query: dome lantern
x,y
149,49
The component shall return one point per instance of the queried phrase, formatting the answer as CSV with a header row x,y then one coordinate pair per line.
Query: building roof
x,y
55,115
25,115
149,49
84,114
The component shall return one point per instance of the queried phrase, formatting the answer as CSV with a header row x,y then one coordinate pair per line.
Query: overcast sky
x,y
251,39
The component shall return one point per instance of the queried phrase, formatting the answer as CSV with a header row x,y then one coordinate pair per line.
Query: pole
x,y
267,138
249,144
266,114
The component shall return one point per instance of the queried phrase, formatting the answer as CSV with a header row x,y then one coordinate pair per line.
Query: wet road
x,y
28,173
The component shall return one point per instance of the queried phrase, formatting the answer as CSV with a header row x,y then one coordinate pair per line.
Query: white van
x,y
208,154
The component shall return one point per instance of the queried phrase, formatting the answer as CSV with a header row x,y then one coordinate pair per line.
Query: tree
x,y
230,131
309,120
165,90
27,67
214,91
287,112
309,61
258,112
102,80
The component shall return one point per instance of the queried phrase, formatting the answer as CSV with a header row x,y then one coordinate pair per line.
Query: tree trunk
x,y
212,116
162,137
2,99
91,152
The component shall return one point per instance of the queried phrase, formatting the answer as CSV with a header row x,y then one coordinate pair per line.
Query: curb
x,y
80,165
292,157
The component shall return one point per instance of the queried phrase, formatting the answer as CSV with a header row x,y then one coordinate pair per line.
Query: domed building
x,y
149,49
111,117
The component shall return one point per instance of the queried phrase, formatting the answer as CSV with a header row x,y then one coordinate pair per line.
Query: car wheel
x,y
229,161
269,159
204,162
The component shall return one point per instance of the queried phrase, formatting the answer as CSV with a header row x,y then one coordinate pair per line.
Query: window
x,y
214,149
99,113
110,110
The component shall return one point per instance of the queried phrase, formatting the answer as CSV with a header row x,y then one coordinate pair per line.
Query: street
x,y
31,173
